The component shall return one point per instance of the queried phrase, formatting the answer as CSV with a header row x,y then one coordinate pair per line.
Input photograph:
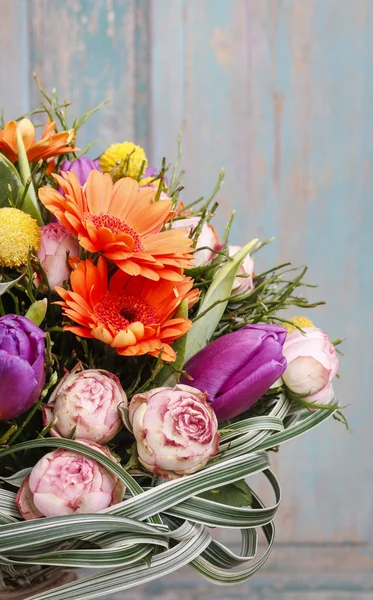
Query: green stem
x,y
26,421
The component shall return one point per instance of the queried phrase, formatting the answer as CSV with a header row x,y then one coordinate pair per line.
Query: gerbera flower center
x,y
116,225
119,310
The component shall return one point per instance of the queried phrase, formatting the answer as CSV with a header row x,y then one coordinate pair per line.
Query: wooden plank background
x,y
280,93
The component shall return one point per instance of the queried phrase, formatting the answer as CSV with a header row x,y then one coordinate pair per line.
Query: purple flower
x,y
151,172
22,365
238,368
81,166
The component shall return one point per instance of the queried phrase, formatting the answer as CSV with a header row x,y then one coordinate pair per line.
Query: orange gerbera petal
x,y
123,222
49,146
134,315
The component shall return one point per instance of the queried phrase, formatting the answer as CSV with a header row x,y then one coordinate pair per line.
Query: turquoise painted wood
x,y
280,93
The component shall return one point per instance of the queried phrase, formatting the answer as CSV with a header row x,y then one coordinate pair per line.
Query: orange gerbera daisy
x,y
50,144
134,315
123,222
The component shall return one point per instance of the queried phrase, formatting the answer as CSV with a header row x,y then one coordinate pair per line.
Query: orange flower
x,y
121,221
134,315
50,144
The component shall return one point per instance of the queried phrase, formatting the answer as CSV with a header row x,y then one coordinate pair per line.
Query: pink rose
x,y
86,403
242,285
67,483
55,242
176,430
312,364
208,239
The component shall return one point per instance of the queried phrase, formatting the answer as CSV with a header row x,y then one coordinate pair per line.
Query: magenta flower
x,y
22,365
237,369
81,166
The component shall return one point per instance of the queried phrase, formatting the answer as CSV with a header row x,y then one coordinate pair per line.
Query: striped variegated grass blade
x,y
158,530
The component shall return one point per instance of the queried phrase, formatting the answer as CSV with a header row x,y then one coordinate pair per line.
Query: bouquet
x,y
147,369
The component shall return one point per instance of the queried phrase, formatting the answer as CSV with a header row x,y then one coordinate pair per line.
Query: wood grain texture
x,y
301,574
93,51
14,58
280,93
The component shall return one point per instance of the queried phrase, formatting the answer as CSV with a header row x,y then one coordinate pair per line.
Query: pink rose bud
x,y
312,364
175,429
208,239
243,283
85,405
67,483
55,242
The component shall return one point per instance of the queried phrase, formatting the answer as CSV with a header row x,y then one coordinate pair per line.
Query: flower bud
x,y
55,245
22,365
175,429
85,404
312,364
238,368
67,483
208,240
243,282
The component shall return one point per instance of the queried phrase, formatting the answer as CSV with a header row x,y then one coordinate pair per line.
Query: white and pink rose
x,y
68,483
56,244
85,406
208,240
312,365
176,430
243,283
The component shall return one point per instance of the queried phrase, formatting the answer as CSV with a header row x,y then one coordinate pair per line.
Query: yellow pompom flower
x,y
124,160
18,233
301,322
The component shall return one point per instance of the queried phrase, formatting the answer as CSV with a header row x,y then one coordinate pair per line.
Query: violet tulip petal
x,y
22,365
241,397
269,350
238,368
16,376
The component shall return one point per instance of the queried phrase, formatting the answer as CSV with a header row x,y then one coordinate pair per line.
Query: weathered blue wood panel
x,y
280,93
93,51
14,58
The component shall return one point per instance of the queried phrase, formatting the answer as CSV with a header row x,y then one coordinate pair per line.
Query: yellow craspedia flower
x,y
124,160
302,322
18,233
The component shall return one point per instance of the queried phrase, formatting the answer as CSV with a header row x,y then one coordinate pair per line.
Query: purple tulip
x,y
81,166
238,368
22,365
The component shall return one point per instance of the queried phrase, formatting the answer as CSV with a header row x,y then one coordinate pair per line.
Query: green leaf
x,y
9,177
37,311
18,478
169,376
214,303
233,494
4,287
